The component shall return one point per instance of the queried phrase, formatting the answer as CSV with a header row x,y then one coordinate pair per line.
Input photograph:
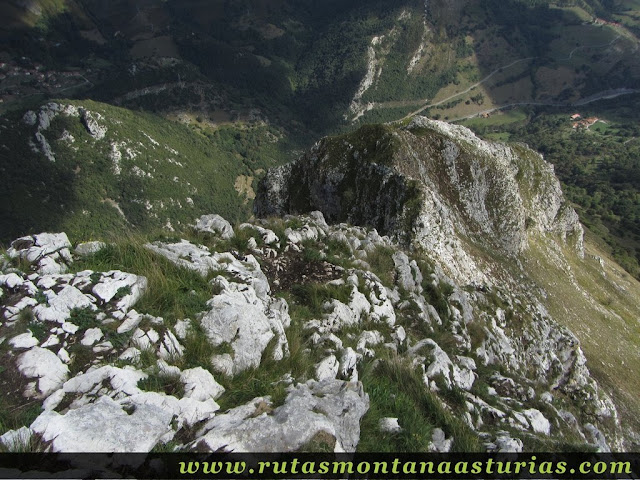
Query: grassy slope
x,y
78,192
598,166
600,306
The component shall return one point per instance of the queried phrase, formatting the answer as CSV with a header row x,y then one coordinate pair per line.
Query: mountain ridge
x,y
484,226
468,188
437,287
513,384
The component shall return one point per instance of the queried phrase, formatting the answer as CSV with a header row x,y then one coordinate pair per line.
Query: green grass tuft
x,y
397,390
158,382
173,292
381,262
314,295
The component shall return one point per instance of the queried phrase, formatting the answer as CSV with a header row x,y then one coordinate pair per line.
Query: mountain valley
x,y
326,223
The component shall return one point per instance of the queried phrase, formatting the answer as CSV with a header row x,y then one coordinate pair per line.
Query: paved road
x,y
605,95
591,99
424,107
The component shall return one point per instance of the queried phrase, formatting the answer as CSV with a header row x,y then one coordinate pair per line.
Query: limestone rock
x,y
465,189
170,347
48,251
125,288
348,364
62,303
409,276
16,440
331,407
200,259
539,423
185,411
46,367
597,437
340,316
89,248
367,338
439,442
91,336
117,382
389,425
327,368
239,318
11,281
439,364
119,431
91,123
506,444
200,385
215,224
24,341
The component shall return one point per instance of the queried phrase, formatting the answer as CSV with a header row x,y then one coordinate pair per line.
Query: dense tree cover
x,y
315,63
525,24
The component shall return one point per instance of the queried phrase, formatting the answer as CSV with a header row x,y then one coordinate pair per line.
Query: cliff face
x,y
431,184
492,218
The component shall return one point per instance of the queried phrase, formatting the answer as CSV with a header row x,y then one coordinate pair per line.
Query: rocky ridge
x,y
487,215
432,185
72,342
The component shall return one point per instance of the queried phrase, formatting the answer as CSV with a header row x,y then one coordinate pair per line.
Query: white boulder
x,y
200,385
327,368
332,408
389,425
46,367
104,426
538,422
215,224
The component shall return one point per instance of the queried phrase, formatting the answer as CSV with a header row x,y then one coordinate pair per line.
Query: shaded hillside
x,y
325,64
97,170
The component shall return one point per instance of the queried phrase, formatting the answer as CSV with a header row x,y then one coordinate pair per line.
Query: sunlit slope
x,y
599,301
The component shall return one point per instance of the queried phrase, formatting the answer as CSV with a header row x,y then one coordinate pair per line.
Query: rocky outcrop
x,y
479,211
494,356
431,184
247,324
243,316
50,252
329,409
214,224
42,121
91,121
119,431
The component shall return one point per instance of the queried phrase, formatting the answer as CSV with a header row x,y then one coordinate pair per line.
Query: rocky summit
x,y
189,263
430,184
391,296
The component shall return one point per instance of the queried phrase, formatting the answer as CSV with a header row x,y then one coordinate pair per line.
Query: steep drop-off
x,y
488,215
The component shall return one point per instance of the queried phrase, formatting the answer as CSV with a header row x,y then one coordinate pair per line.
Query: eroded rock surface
x,y
78,346
329,408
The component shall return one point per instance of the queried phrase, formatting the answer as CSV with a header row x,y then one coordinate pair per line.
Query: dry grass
x,y
601,308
